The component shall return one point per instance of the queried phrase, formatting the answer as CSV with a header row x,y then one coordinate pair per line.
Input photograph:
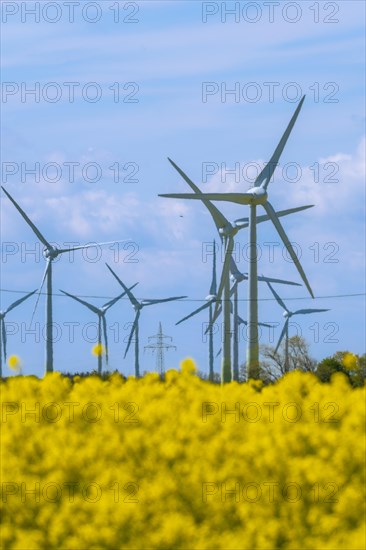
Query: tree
x,y
351,365
274,364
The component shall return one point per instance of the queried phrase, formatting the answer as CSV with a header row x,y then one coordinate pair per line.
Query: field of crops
x,y
182,463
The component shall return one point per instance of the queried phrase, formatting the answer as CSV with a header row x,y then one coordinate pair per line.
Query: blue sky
x,y
165,61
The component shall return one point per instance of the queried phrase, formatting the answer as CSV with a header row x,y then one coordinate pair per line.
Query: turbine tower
x,y
254,197
210,300
3,328
287,315
101,312
138,306
50,253
160,346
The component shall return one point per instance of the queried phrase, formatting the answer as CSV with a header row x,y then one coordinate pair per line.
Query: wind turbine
x,y
227,232
237,277
138,306
210,300
287,315
101,312
237,321
50,253
3,328
254,197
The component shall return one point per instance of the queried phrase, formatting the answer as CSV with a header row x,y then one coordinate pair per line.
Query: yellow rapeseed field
x,y
183,463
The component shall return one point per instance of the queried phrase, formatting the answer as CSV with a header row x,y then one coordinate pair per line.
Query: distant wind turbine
x,y
138,306
3,328
237,278
254,197
210,300
50,253
237,321
101,312
287,315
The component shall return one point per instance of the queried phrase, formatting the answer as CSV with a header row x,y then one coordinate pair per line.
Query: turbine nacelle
x,y
287,314
259,195
211,298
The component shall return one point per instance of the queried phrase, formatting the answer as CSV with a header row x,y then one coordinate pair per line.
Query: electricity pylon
x,y
159,345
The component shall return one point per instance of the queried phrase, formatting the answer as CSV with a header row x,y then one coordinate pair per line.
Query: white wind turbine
x,y
138,306
287,315
210,300
237,277
237,321
3,327
50,253
101,312
254,197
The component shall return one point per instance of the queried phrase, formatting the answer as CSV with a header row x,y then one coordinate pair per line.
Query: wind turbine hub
x,y
287,314
259,195
50,253
227,230
210,297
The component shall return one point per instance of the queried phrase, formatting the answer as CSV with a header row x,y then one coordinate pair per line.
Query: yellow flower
x,y
183,464
188,366
98,349
350,361
15,364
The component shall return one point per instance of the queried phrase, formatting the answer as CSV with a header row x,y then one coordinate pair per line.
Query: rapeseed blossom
x,y
98,349
15,364
182,463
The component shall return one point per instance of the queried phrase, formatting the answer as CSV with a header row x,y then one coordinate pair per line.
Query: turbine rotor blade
x,y
213,287
239,198
132,331
234,269
160,301
278,281
206,305
265,176
242,322
92,308
305,311
18,302
29,222
132,298
225,272
280,214
105,338
111,303
48,266
81,247
233,288
218,217
278,299
270,211
282,335
3,332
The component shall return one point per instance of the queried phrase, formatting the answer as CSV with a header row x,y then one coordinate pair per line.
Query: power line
x,y
330,296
